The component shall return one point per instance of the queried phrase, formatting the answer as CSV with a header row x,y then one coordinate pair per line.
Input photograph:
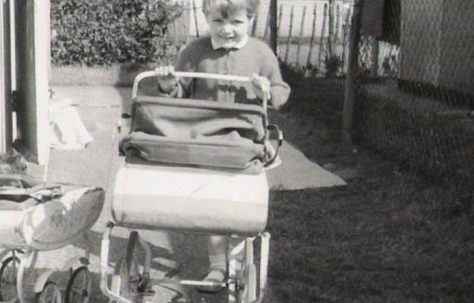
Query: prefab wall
x,y
437,43
32,39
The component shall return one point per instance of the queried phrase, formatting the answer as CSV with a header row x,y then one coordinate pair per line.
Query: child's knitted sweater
x,y
253,58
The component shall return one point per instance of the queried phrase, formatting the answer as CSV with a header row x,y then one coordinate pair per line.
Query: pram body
x,y
193,199
40,217
194,166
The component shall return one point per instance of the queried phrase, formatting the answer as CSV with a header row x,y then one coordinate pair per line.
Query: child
x,y
230,51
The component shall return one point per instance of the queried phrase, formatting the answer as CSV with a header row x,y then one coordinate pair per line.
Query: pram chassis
x,y
45,287
242,284
134,283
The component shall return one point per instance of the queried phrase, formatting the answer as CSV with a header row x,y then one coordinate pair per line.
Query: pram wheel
x,y
79,286
247,284
129,276
8,276
247,276
50,294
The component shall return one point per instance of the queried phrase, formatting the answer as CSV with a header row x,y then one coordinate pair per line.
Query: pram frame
x,y
26,259
238,279
235,282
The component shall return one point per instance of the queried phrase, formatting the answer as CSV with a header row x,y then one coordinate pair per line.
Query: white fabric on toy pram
x,y
50,223
187,198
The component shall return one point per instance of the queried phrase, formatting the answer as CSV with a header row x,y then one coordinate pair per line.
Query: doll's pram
x,y
193,166
38,217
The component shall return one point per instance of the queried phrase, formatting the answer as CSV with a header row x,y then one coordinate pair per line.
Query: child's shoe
x,y
217,275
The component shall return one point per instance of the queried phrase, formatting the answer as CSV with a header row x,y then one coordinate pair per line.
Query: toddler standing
x,y
227,50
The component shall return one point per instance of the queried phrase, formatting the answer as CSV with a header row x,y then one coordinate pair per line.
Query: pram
x,y
37,217
193,166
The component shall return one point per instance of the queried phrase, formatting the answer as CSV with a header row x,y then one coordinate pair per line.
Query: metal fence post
x,y
273,25
350,86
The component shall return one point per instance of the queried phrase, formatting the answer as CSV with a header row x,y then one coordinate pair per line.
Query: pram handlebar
x,y
149,74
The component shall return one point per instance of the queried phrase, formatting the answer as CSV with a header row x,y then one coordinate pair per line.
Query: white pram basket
x,y
193,166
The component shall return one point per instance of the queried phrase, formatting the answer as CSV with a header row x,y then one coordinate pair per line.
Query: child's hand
x,y
261,86
166,78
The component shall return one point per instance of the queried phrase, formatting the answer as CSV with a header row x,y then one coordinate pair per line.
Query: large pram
x,y
193,166
37,217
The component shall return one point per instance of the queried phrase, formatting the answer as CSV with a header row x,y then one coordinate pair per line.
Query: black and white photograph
x,y
236,151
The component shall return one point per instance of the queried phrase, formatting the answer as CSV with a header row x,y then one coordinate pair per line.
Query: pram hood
x,y
196,132
40,220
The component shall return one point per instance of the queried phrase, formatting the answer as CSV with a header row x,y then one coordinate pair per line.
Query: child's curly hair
x,y
228,7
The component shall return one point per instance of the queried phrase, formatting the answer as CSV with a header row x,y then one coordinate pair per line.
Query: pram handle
x,y
149,74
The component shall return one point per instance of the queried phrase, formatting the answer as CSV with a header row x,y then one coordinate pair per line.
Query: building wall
x,y
437,43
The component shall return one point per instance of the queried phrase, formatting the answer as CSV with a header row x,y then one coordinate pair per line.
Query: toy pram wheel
x,y
49,294
8,276
79,286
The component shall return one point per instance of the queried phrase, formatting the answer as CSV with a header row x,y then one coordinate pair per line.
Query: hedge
x,y
106,32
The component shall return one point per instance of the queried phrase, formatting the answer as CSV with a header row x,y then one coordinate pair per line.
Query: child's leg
x,y
219,259
217,246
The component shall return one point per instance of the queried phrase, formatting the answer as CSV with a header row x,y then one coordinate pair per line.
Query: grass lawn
x,y
388,236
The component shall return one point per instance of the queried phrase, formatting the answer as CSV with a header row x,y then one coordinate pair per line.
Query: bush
x,y
105,32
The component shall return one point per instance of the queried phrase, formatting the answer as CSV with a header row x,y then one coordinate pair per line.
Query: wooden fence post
x,y
338,24
311,41
350,86
280,14
254,26
298,50
267,26
330,43
290,29
195,18
323,31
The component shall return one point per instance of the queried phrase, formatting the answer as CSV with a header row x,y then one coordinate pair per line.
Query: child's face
x,y
228,30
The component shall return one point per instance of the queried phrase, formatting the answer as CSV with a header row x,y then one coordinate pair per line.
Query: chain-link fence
x,y
415,86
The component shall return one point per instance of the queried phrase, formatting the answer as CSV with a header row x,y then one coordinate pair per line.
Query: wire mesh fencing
x,y
415,88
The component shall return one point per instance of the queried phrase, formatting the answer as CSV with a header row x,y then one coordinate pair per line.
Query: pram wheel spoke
x,y
8,277
79,286
50,294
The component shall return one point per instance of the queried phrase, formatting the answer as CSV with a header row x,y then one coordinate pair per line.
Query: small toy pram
x,y
194,166
38,217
